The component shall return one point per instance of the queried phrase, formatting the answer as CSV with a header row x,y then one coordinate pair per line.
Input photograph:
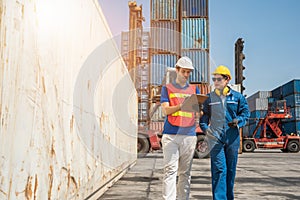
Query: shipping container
x,y
200,59
260,94
277,93
292,87
194,33
292,100
165,36
252,128
258,104
271,100
257,114
291,127
295,112
68,105
164,9
194,8
159,65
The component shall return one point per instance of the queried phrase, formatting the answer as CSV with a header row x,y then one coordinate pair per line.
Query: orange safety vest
x,y
176,96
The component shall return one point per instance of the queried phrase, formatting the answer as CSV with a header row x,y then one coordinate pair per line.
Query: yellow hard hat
x,y
222,70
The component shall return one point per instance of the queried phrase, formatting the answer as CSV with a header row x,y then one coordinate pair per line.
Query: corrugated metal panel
x,y
194,8
292,100
165,36
291,127
200,60
159,65
277,93
258,104
164,9
292,87
194,33
64,112
260,94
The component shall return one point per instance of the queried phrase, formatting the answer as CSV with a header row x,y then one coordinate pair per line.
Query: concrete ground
x,y
264,174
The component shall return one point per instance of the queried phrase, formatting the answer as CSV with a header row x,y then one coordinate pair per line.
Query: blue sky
x,y
270,29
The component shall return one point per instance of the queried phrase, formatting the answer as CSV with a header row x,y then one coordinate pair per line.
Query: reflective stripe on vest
x,y
176,96
183,114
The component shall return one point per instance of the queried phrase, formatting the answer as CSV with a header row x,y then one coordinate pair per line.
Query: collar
x,y
179,86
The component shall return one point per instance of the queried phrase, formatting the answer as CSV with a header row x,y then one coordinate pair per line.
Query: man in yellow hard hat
x,y
179,133
224,112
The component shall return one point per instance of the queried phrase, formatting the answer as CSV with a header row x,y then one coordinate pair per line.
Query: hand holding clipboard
x,y
192,103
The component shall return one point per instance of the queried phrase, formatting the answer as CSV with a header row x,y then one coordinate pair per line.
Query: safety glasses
x,y
217,79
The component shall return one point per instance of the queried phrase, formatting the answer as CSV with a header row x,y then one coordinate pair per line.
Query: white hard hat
x,y
185,62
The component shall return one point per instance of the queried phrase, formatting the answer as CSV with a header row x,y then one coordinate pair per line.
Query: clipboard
x,y
192,103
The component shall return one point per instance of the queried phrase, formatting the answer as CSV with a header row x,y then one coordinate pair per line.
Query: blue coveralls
x,y
224,145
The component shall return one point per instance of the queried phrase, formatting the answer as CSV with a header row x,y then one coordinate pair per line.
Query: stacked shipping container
x,y
291,93
179,28
194,37
258,106
165,34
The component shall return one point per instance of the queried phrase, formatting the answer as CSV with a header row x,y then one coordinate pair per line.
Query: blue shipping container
x,y
200,60
277,93
292,87
252,128
291,127
159,65
258,114
165,36
194,8
295,112
194,33
164,9
293,100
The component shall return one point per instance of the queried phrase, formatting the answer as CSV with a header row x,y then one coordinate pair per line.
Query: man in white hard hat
x,y
179,135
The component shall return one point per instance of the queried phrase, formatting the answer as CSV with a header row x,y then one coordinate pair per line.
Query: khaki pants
x,y
178,153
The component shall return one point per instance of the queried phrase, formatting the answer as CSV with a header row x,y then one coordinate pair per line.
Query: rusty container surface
x,y
68,107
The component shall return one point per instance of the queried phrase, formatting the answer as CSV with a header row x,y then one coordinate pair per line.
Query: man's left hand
x,y
234,123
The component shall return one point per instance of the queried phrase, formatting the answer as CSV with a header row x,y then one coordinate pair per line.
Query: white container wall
x,y
64,89
258,104
259,94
